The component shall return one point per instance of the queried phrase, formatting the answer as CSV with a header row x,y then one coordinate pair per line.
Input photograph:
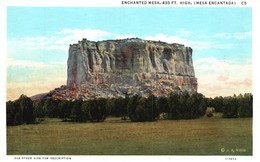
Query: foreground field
x,y
204,136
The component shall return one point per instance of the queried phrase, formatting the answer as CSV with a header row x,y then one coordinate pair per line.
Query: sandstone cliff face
x,y
130,66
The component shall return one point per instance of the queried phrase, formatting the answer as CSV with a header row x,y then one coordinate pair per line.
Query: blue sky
x,y
38,39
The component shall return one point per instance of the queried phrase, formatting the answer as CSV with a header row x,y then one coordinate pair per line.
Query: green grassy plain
x,y
203,136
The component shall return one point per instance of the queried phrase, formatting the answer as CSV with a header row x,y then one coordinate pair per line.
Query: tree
x,y
76,112
202,107
85,108
162,105
51,108
186,106
94,110
64,109
230,107
199,105
39,112
92,106
146,109
218,103
13,113
152,107
20,111
124,108
142,112
118,106
131,107
110,106
245,105
174,106
182,101
102,114
26,106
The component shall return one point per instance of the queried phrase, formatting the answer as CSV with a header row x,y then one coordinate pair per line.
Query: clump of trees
x,y
233,107
186,106
139,109
20,111
142,109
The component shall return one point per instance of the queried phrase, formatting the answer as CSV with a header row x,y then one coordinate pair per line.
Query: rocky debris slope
x,y
126,67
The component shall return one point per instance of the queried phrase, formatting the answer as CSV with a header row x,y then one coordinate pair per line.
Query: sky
x,y
38,39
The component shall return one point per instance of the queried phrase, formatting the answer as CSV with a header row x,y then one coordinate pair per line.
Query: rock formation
x,y
115,68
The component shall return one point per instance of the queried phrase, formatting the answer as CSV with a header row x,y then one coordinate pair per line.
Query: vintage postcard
x,y
165,80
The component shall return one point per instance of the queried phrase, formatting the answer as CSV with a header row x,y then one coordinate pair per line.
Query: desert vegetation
x,y
136,108
132,135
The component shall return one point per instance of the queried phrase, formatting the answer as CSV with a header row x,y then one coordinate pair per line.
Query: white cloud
x,y
215,77
33,64
59,62
168,39
24,63
62,39
118,36
74,35
223,77
184,33
199,45
59,47
238,35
